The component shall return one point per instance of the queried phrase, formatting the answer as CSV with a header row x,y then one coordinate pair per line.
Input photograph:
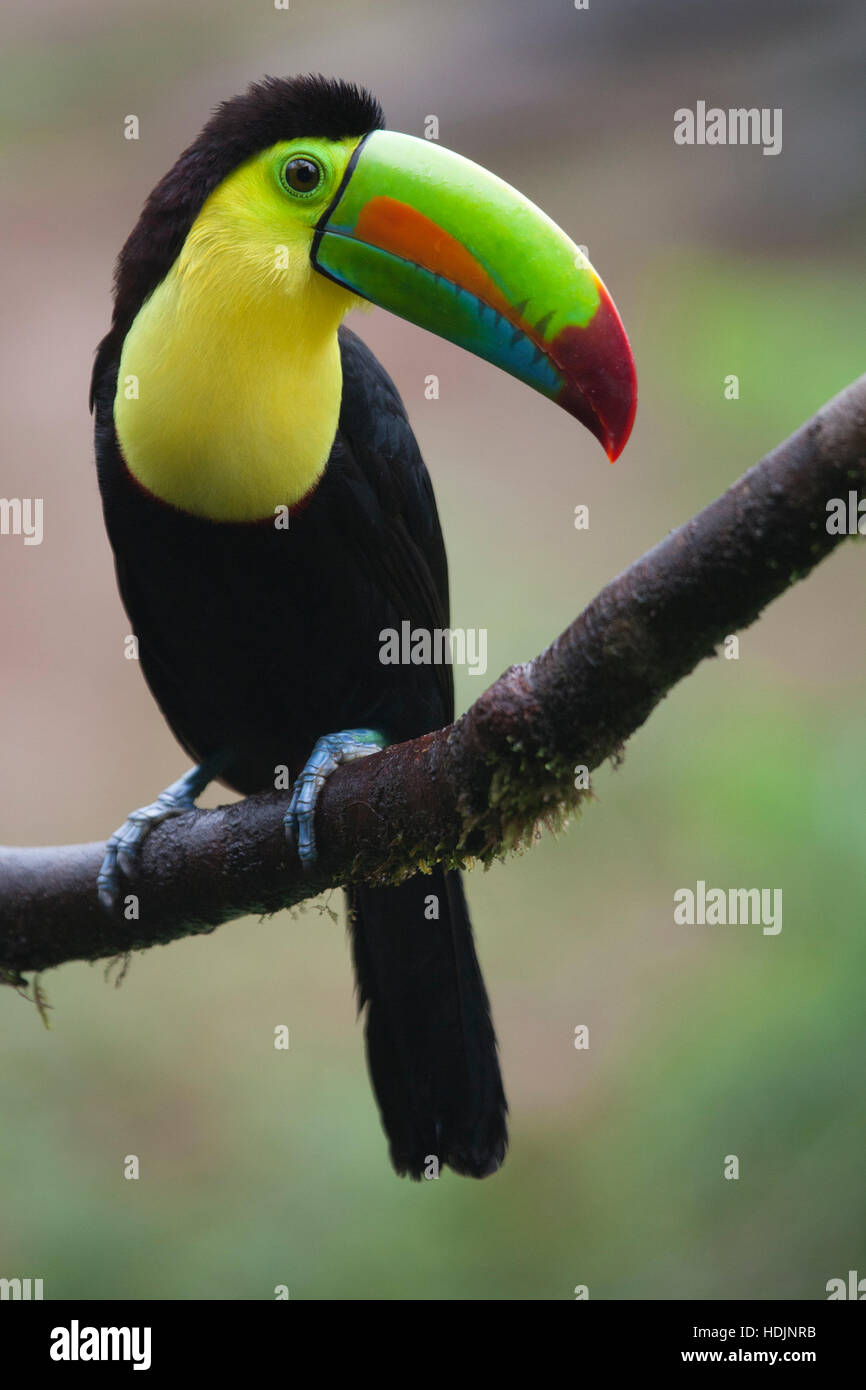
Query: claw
x,y
329,752
123,850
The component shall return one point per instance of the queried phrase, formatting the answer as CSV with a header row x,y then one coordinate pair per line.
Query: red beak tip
x,y
614,447
600,381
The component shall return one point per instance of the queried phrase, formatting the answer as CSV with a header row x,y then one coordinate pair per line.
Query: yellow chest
x,y
228,393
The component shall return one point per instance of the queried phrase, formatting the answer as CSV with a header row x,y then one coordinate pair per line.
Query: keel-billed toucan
x,y
228,396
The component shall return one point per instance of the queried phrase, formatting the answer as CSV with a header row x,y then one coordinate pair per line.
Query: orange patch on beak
x,y
397,228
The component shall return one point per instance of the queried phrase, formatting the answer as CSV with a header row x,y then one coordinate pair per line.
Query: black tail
x,y
430,1042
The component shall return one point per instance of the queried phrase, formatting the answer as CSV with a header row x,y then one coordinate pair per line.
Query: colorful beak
x,y
438,240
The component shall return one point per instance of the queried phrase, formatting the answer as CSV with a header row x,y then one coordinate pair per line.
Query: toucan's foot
x,y
326,757
124,847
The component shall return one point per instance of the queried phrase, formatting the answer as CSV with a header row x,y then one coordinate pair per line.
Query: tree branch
x,y
478,787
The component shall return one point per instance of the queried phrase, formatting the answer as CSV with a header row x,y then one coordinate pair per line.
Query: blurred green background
x,y
261,1167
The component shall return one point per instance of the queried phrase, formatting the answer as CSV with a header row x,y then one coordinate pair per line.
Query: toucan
x,y
271,516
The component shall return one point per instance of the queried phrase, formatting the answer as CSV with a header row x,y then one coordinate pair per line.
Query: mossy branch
x,y
480,786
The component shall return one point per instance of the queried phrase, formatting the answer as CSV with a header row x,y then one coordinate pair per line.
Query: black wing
x,y
384,508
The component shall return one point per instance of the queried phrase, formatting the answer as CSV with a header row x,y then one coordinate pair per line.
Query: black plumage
x,y
260,640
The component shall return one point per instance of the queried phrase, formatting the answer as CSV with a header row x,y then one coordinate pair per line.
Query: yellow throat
x,y
229,387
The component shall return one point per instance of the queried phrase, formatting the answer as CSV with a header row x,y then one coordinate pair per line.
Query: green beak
x,y
431,236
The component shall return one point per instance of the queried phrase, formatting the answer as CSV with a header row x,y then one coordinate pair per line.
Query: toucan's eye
x,y
302,175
